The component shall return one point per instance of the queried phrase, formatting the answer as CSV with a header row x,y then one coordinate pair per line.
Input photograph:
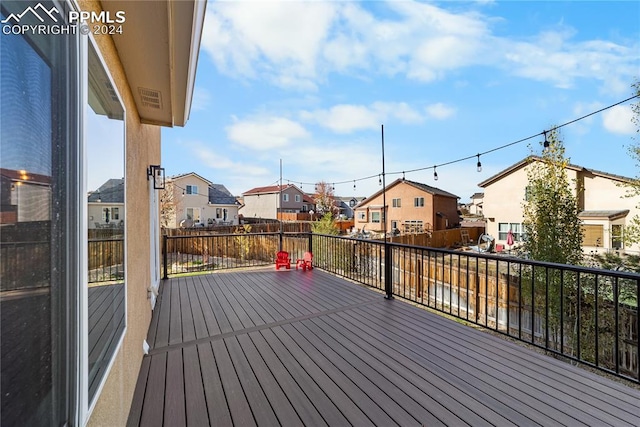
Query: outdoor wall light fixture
x,y
157,173
435,174
479,164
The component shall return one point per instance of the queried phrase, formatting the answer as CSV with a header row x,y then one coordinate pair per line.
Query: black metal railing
x,y
584,314
106,260
205,253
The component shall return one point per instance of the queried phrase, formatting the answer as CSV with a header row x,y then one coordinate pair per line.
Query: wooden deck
x,y
295,348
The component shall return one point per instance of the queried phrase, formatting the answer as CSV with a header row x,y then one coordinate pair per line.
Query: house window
x,y
617,241
218,213
352,203
516,229
396,203
375,217
394,225
285,197
193,214
362,216
298,199
592,235
418,202
191,189
413,226
40,144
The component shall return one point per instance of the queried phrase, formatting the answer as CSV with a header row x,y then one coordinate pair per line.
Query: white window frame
x,y
191,189
418,202
85,406
285,197
397,203
298,198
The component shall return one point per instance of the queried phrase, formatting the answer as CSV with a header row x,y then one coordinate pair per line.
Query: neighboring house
x,y
199,202
345,205
106,205
412,208
265,202
475,207
604,210
224,206
78,108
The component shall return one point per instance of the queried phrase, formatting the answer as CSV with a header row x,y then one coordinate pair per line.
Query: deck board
x,y
260,347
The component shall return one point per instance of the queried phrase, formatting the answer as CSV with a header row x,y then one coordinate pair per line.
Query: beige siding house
x,y
199,202
412,207
86,108
604,210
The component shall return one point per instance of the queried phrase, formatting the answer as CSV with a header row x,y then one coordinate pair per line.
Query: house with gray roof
x,y
194,201
106,205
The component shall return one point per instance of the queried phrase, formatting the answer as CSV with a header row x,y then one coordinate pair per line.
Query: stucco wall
x,y
182,201
263,206
142,149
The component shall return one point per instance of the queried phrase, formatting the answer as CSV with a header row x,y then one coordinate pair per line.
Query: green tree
x,y
326,225
551,209
632,230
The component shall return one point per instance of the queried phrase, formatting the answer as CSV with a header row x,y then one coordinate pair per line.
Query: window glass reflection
x,y
106,222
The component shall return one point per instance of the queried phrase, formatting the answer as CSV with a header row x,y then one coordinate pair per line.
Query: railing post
x,y
164,257
388,271
310,244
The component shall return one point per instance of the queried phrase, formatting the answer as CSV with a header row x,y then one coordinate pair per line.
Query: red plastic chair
x,y
306,262
283,260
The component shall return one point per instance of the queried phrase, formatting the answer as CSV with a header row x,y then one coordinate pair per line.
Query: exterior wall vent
x,y
150,98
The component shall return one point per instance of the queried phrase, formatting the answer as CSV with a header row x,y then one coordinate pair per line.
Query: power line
x,y
501,147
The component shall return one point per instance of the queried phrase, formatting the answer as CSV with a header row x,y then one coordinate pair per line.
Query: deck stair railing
x,y
586,315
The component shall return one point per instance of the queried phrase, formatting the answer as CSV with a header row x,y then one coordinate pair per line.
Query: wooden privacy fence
x,y
270,227
441,238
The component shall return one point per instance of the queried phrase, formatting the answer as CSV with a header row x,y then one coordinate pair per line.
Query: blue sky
x,y
312,82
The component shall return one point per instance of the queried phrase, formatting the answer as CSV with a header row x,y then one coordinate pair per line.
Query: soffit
x,y
158,49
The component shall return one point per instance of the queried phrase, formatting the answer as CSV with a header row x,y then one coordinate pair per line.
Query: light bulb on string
x,y
354,185
479,165
545,144
379,180
435,174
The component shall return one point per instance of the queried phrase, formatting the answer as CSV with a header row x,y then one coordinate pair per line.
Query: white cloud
x,y
440,111
278,39
618,120
347,118
296,45
211,158
201,99
265,133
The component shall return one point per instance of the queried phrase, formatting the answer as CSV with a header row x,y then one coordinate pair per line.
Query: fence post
x,y
164,257
310,244
388,270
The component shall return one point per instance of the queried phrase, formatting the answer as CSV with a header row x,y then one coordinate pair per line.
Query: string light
x,y
546,144
379,180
